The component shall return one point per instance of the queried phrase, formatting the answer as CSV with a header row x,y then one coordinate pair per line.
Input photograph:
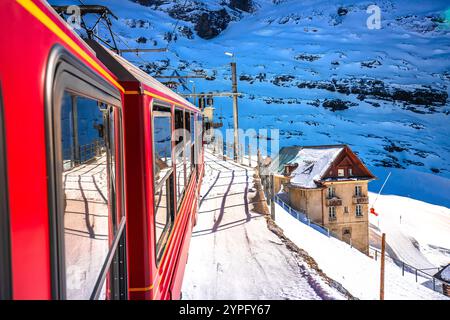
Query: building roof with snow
x,y
310,166
444,274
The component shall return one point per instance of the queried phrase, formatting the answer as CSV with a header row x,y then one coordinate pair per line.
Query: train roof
x,y
125,71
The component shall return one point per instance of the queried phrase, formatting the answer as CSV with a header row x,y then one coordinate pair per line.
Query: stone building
x,y
330,185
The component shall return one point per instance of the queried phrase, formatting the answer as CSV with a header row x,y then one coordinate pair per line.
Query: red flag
x,y
372,211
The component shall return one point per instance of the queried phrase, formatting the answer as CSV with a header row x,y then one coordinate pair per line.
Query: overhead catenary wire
x,y
141,59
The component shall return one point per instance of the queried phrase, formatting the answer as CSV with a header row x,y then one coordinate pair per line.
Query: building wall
x,y
347,219
308,201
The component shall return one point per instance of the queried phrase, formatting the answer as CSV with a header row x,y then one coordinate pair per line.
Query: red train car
x,y
97,200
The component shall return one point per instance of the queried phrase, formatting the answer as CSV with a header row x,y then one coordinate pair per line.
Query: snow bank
x,y
358,273
417,232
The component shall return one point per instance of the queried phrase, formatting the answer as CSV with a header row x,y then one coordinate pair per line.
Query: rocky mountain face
x,y
207,22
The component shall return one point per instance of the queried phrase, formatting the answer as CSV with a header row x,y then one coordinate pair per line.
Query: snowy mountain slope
x,y
313,70
416,231
357,272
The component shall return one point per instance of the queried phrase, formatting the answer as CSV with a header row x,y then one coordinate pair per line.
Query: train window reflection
x,y
180,154
86,181
162,135
163,177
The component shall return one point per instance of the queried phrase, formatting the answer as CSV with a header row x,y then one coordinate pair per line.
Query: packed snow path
x,y
233,255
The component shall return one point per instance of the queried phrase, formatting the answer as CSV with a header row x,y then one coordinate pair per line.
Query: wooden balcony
x,y
333,202
360,200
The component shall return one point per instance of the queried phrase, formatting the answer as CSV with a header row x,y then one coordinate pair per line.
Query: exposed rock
x,y
246,77
149,3
394,148
315,103
337,104
417,126
426,96
389,162
307,57
186,32
283,80
211,24
342,11
141,40
370,64
414,163
374,104
243,5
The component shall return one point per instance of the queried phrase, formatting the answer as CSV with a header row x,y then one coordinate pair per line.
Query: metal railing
x,y
425,274
90,151
303,218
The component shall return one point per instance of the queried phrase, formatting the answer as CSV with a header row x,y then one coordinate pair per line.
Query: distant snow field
x,y
417,232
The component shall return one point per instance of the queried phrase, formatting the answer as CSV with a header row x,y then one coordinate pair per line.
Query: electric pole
x,y
383,250
235,110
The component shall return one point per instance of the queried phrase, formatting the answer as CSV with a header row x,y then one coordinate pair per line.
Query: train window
x,y
198,142
163,177
5,261
179,154
188,145
194,141
193,127
87,199
89,143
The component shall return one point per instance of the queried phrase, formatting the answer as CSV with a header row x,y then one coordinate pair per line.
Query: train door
x,y
86,173
5,250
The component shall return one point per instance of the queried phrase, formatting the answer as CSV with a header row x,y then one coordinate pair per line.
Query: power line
x,y
135,51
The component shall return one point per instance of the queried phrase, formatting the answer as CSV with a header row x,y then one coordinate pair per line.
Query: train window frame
x,y
6,292
66,73
168,180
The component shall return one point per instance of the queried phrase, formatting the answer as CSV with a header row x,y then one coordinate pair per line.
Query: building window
x,y
331,213
358,191
331,192
359,212
341,172
350,172
345,209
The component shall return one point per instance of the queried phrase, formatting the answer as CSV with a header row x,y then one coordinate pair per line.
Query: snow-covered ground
x,y
233,255
416,231
358,273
